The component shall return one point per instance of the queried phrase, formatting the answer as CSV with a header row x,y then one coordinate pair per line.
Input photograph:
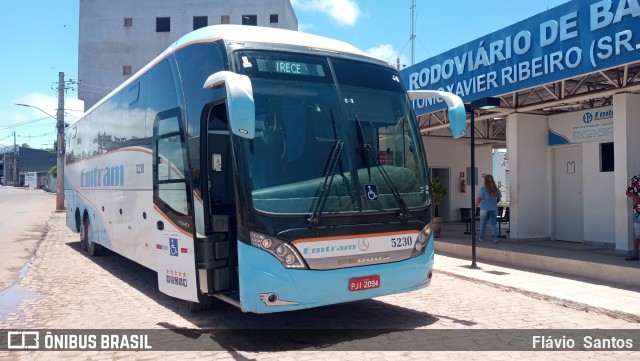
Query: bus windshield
x,y
332,136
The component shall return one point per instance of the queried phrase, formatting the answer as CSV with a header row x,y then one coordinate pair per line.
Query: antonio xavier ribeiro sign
x,y
579,37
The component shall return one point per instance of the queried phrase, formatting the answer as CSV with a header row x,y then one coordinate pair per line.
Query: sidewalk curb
x,y
533,259
630,317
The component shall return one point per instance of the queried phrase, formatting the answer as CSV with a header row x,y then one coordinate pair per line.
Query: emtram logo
x,y
23,340
588,117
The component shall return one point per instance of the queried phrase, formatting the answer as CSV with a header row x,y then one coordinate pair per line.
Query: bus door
x,y
173,240
218,255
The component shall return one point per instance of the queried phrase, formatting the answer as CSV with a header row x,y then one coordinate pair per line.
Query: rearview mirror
x,y
240,104
457,113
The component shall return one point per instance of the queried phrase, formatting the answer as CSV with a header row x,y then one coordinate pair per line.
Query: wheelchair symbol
x,y
173,247
371,191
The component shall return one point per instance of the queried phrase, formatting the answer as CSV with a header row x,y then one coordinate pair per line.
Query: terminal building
x,y
568,84
119,37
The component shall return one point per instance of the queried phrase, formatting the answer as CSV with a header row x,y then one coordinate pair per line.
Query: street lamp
x,y
35,107
60,151
480,104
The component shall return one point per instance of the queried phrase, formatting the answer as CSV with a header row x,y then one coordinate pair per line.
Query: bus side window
x,y
170,162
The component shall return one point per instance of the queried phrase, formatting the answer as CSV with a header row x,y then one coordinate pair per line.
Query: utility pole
x,y
15,160
60,150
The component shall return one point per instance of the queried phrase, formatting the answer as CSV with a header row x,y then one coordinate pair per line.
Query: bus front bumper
x,y
267,286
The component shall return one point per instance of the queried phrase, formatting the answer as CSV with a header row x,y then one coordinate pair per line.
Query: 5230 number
x,y
401,241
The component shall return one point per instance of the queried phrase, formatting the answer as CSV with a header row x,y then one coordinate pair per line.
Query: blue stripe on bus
x,y
262,273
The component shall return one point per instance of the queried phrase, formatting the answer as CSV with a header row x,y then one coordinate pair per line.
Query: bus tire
x,y
93,248
84,234
205,303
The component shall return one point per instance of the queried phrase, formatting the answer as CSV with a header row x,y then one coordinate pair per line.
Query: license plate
x,y
364,283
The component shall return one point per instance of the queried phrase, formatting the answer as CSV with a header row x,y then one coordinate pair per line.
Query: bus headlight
x,y
421,242
284,252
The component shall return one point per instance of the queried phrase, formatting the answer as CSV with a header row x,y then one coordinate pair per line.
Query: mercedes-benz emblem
x,y
363,244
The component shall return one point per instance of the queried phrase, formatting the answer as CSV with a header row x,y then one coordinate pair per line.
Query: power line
x,y
70,115
29,135
96,91
82,83
23,123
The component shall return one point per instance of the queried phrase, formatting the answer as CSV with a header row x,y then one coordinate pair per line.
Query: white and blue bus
x,y
272,169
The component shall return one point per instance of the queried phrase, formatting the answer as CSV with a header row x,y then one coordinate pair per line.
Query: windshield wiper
x,y
314,218
362,144
345,181
368,148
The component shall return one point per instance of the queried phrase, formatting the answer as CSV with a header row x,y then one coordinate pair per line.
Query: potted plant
x,y
438,192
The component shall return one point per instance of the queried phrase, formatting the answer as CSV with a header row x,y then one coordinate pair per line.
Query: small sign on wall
x,y
593,125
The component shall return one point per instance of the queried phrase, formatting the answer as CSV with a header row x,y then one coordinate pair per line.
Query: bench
x,y
503,216
465,216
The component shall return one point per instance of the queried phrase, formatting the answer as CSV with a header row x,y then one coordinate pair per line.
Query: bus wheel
x,y
93,248
84,233
205,303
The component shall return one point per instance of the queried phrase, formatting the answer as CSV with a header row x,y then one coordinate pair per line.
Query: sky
x,y
41,40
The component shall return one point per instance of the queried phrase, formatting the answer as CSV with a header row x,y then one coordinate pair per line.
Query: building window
x,y
126,70
200,22
606,157
224,19
250,20
128,22
273,18
163,25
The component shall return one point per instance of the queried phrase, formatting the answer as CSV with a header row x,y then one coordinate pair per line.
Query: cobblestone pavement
x,y
69,290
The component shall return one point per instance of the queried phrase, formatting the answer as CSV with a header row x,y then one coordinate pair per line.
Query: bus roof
x,y
265,35
243,33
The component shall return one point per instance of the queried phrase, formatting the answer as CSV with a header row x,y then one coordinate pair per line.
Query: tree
x,y
25,145
54,171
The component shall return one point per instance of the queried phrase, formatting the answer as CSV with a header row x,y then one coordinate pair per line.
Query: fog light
x,y
290,259
266,243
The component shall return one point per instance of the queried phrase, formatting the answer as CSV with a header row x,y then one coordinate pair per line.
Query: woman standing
x,y
488,199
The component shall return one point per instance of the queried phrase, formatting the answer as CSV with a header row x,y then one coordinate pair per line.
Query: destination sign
x,y
290,67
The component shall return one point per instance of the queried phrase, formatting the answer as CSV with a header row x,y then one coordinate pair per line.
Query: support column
x,y
626,137
529,177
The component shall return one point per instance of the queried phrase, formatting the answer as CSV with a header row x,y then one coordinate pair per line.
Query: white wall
x,y
598,193
626,133
598,197
529,176
456,155
106,45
